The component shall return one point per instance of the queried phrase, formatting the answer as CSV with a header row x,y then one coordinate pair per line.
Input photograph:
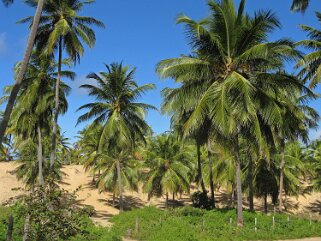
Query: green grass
x,y
194,224
183,224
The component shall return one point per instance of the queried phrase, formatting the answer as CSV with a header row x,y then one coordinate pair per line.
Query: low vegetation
x,y
180,224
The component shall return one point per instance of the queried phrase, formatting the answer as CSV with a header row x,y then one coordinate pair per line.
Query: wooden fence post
x,y
137,225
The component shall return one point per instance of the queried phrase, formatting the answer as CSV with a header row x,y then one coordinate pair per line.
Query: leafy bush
x,y
88,210
201,200
53,216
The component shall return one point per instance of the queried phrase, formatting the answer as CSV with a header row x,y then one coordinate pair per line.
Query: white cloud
x,y
3,43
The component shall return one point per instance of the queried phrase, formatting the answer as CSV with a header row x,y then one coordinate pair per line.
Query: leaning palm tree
x,y
61,28
239,69
117,109
23,68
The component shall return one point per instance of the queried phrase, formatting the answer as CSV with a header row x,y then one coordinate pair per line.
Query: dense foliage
x,y
240,122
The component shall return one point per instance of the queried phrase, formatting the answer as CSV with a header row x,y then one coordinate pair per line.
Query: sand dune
x,y
76,177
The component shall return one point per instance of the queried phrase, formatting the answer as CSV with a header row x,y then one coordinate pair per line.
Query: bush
x,y
201,200
53,216
88,210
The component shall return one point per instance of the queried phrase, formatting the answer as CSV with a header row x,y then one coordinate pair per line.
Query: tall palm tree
x,y
117,109
61,28
169,165
239,67
35,101
23,68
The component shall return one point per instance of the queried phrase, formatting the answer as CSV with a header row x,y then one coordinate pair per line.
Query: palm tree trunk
x,y
113,198
94,180
22,70
265,203
10,228
281,180
210,163
233,196
121,205
173,196
238,184
251,188
166,204
40,159
26,228
199,164
56,110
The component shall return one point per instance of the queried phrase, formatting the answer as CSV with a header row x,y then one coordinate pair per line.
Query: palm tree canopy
x,y
232,77
60,23
310,67
300,5
170,166
117,108
35,101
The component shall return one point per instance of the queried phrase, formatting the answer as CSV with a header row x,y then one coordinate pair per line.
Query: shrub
x,y
201,200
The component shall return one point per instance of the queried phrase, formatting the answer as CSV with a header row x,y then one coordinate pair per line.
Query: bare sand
x,y
76,177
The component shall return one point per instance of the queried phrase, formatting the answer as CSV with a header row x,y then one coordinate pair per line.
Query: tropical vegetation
x,y
240,114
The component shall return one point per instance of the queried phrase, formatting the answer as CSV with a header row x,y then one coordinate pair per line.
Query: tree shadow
x,y
315,207
129,202
224,199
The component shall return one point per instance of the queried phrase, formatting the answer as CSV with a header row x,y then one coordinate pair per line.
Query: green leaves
x,y
61,24
300,5
123,118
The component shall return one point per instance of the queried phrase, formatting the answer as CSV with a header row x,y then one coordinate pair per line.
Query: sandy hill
x,y
76,177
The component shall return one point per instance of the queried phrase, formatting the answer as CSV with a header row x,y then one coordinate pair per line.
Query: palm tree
x,y
123,118
28,167
265,181
310,64
23,68
298,118
88,144
108,179
313,155
293,170
61,28
169,165
35,103
240,71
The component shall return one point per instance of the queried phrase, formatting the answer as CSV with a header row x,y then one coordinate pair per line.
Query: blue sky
x,y
139,33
